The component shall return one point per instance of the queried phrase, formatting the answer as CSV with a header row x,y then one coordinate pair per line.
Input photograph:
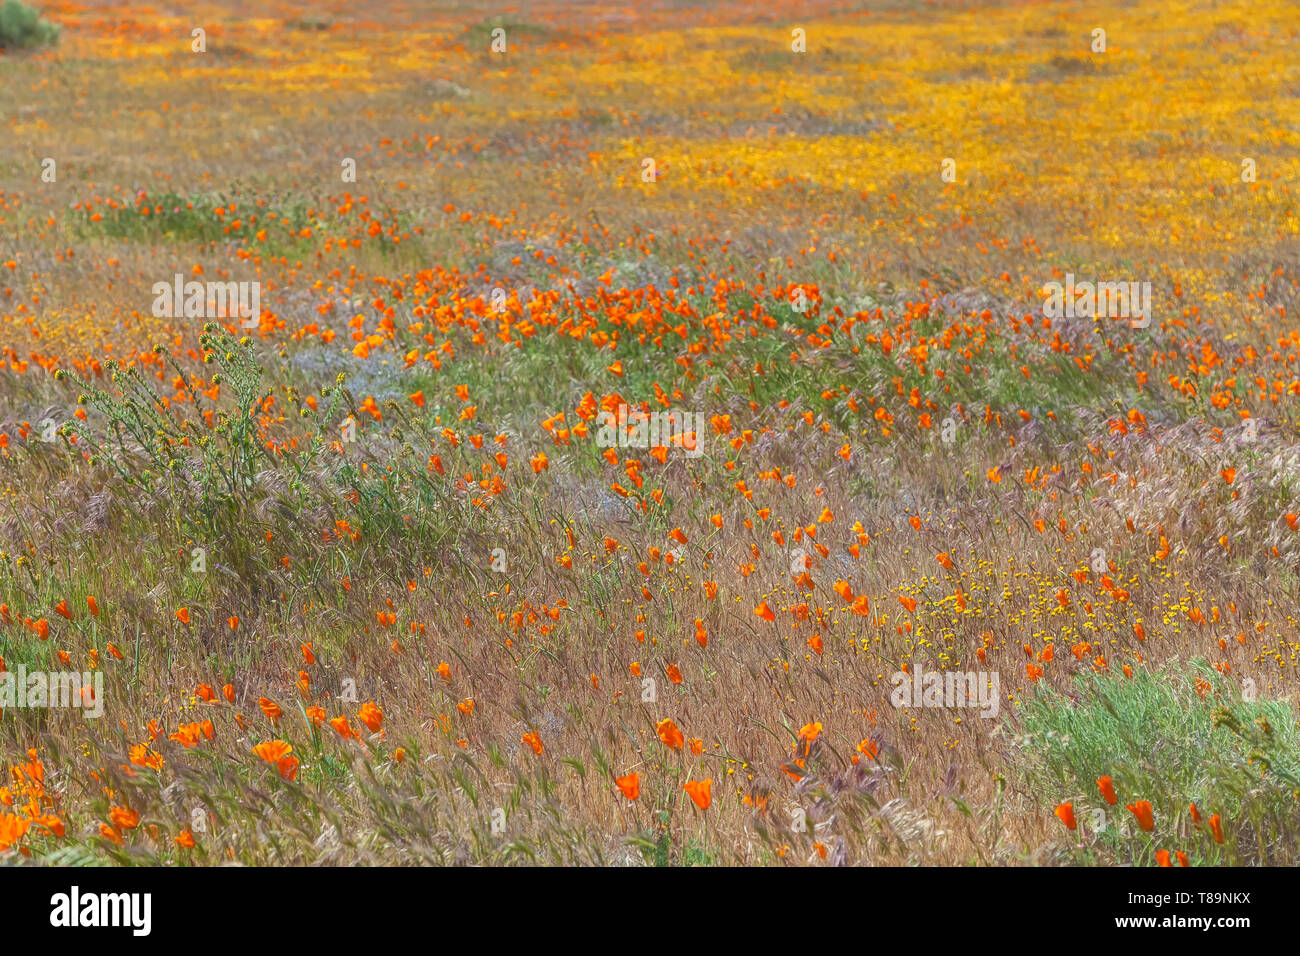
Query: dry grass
x,y
1113,506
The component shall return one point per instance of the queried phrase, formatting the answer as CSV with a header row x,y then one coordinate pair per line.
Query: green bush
x,y
21,26
1172,738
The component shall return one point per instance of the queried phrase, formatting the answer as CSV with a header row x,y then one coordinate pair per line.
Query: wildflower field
x,y
818,433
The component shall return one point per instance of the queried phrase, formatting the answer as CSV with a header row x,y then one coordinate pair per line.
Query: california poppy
x,y
371,716
1065,812
1142,811
124,818
343,727
270,708
669,734
630,784
699,791
272,750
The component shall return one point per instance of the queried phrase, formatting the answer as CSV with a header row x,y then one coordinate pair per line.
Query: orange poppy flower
x,y
12,829
1107,790
124,818
699,791
1142,811
270,708
669,734
344,728
630,784
1065,812
272,750
371,716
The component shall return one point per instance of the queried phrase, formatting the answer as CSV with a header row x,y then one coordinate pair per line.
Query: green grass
x,y
1160,740
177,219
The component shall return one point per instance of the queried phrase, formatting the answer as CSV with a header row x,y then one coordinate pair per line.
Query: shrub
x,y
21,26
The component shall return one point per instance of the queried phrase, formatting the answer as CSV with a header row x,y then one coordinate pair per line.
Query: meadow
x,y
392,570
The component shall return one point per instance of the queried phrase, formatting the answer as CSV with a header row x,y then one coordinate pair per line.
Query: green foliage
x,y
21,26
211,474
175,218
663,852
1173,739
